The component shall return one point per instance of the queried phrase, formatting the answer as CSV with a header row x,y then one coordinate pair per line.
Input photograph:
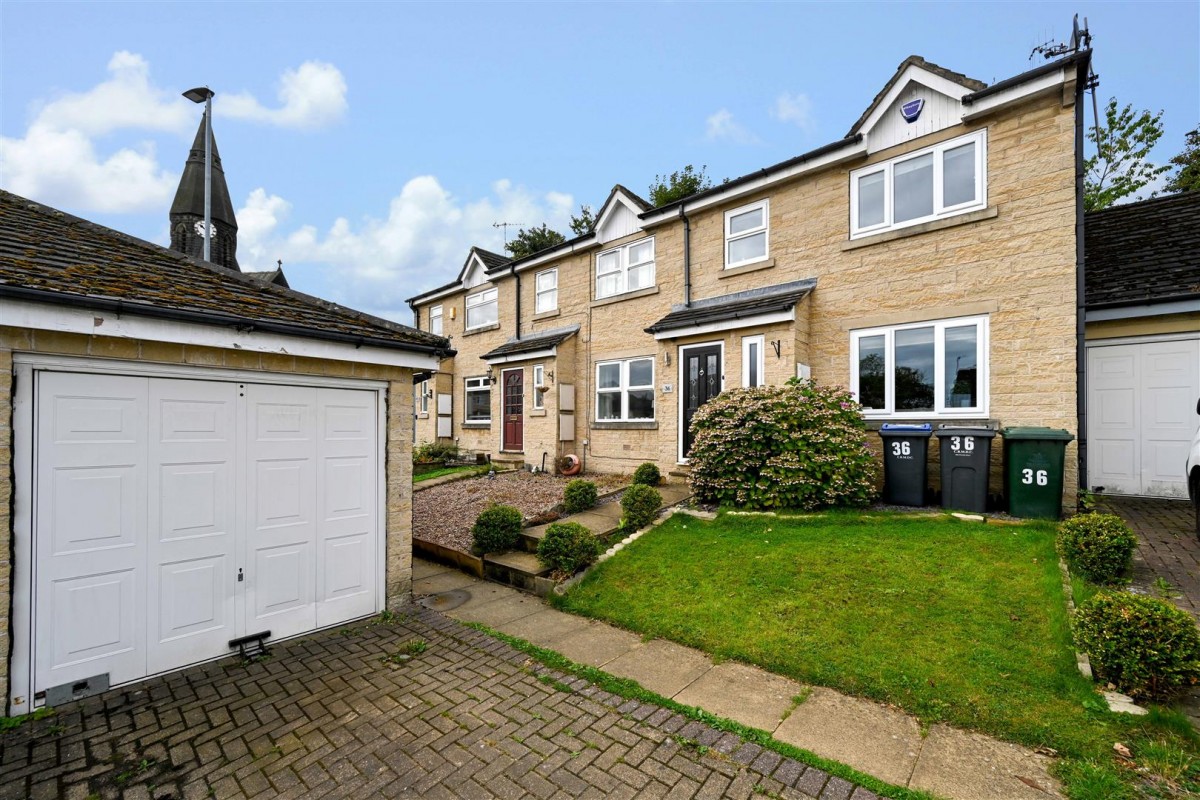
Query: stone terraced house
x,y
930,261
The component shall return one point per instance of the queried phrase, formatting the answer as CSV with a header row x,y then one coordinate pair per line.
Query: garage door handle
x,y
241,577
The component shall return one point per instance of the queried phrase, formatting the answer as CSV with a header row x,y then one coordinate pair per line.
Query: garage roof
x,y
1143,253
53,257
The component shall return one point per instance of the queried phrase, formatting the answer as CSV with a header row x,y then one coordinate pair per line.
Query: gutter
x,y
1145,301
1050,66
120,307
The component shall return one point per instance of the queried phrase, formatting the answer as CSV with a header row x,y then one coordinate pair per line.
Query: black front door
x,y
701,383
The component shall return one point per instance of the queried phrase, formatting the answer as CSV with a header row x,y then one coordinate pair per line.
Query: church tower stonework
x,y
187,211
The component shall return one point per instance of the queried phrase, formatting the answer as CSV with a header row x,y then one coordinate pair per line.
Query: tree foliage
x,y
1119,167
530,240
1187,179
584,223
679,184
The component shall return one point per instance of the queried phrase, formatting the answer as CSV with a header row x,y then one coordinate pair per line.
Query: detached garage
x,y
196,457
1143,345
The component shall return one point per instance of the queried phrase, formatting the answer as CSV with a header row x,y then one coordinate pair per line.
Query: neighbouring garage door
x,y
174,515
1141,415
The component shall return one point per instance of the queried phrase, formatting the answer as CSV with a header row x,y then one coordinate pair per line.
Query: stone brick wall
x,y
398,452
1014,262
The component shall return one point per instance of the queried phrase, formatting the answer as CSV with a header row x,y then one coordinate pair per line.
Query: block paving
x,y
1168,546
327,715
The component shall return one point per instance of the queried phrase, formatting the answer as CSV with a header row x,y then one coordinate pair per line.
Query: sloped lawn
x,y
953,621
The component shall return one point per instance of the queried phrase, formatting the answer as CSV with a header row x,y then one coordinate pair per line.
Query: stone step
x,y
519,569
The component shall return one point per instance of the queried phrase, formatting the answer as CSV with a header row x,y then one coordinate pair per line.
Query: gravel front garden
x,y
444,514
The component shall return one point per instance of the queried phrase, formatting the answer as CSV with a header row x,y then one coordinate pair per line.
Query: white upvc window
x,y
625,269
479,399
747,230
539,380
435,320
625,390
940,181
423,397
482,309
753,361
546,291
922,369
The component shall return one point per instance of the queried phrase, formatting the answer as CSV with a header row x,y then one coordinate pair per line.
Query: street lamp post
x,y
202,94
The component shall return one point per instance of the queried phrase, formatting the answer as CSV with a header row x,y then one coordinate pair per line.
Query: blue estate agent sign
x,y
912,109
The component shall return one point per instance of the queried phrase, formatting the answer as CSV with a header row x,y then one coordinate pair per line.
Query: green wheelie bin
x,y
1033,471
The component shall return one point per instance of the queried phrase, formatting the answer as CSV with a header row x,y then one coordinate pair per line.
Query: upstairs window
x,y
546,290
482,309
746,234
922,369
941,181
435,320
625,269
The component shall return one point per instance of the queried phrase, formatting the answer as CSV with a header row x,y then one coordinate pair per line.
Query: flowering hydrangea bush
x,y
794,446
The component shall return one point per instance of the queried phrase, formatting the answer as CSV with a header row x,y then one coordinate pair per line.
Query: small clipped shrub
x,y
568,547
1097,546
794,446
647,474
640,506
580,495
435,451
496,529
1145,647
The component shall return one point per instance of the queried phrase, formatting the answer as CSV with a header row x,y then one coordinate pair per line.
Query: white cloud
x,y
420,243
58,162
722,126
311,96
794,108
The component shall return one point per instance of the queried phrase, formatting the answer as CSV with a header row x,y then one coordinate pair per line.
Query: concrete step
x,y
519,569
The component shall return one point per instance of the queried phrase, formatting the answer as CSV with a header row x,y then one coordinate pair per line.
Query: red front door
x,y
513,409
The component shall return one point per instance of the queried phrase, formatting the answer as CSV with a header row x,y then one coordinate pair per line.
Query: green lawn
x,y
953,621
437,473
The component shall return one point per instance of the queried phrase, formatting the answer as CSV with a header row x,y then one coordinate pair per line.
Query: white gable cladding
x,y
618,218
476,273
938,113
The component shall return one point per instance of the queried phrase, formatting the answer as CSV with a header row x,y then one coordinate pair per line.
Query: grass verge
x,y
470,471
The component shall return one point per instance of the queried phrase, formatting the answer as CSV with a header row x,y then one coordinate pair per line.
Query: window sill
x,y
477,425
991,212
537,412
616,298
730,272
614,425
423,415
546,315
875,423
495,326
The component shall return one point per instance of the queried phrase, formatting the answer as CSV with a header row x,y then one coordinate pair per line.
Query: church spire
x,y
187,212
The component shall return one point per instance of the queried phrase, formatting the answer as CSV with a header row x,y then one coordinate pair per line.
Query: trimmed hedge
x,y
1145,647
1097,546
640,506
580,495
496,529
647,474
568,547
794,446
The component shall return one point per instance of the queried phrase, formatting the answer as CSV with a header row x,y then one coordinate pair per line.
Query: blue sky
x,y
369,145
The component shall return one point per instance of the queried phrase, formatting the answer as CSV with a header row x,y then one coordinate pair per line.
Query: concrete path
x,y
341,714
875,739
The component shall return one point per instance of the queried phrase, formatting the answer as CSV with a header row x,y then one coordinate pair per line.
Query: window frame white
x,y
436,320
765,229
759,360
624,268
624,388
539,293
481,300
539,380
423,397
482,383
940,211
940,411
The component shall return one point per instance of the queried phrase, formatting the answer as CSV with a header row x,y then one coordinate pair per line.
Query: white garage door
x,y
175,515
1141,415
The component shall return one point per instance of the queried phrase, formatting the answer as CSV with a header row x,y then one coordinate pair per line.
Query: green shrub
x,y
794,446
496,529
647,474
435,451
1145,647
580,495
1097,546
640,505
568,547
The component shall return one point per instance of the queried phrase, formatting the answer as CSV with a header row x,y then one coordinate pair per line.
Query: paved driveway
x,y
1168,547
326,716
